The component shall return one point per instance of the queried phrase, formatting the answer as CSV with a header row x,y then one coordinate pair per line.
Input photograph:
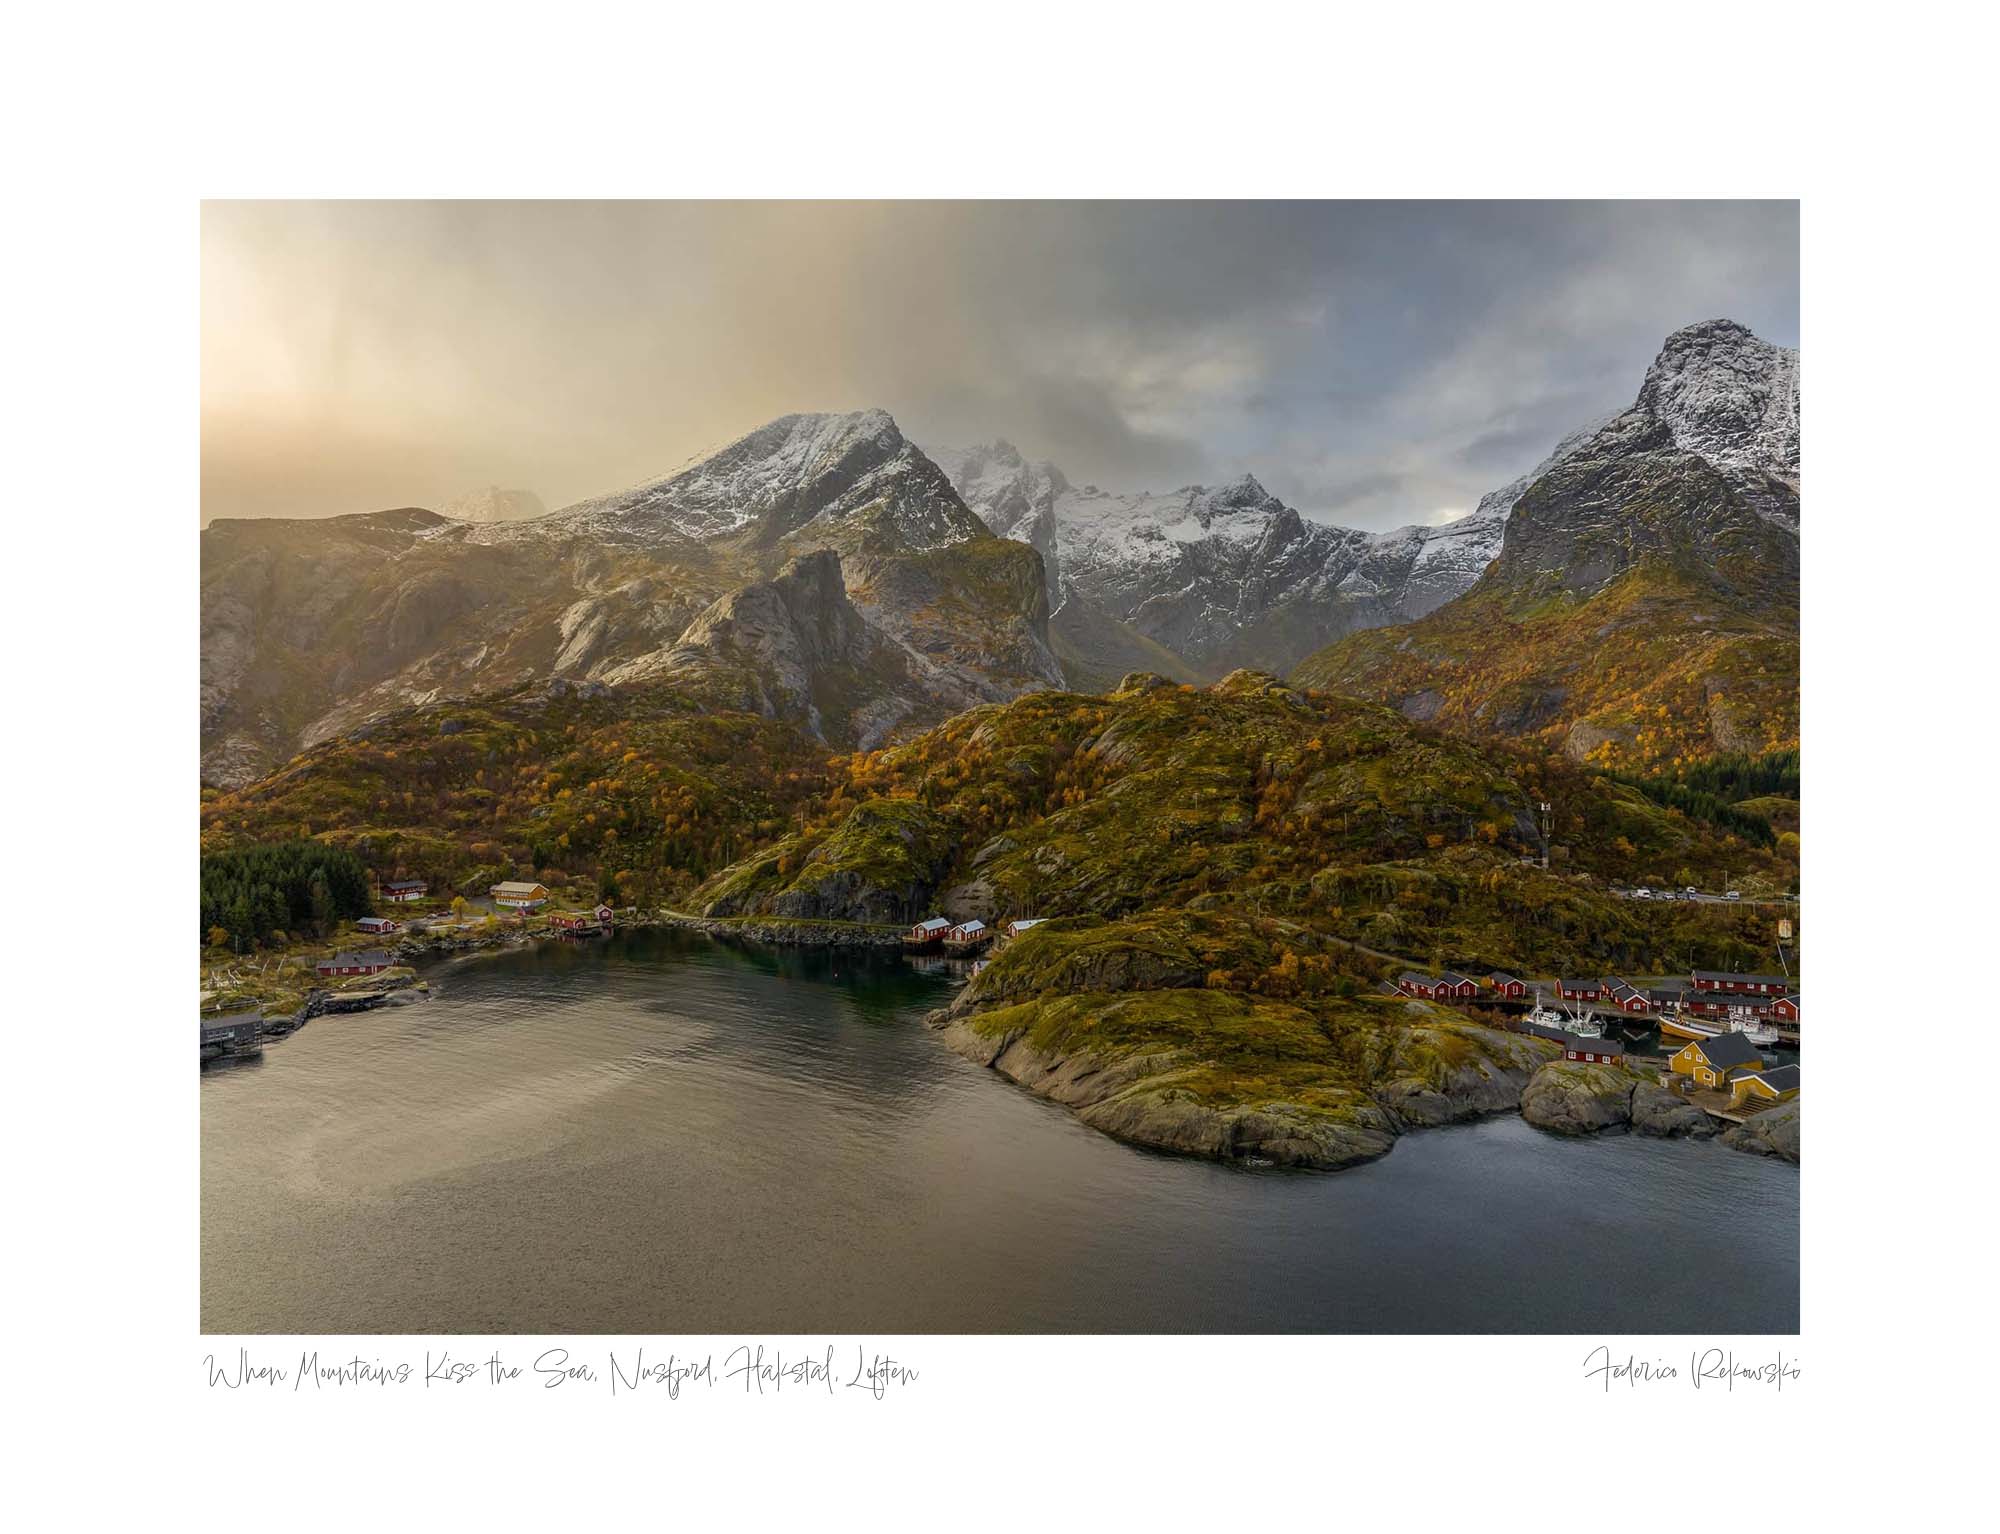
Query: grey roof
x,y
349,960
932,924
1411,977
405,884
1500,976
1599,1046
1728,1049
1723,974
1580,985
1780,1078
1452,977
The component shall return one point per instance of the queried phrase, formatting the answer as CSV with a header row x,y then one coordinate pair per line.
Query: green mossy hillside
x,y
638,789
1254,798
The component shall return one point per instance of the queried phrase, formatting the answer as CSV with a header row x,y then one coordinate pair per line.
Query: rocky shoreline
x,y
782,931
1111,1095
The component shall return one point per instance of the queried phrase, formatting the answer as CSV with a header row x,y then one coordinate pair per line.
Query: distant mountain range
x,y
1220,577
1632,599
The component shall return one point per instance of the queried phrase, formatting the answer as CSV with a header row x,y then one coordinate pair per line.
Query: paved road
x,y
1704,899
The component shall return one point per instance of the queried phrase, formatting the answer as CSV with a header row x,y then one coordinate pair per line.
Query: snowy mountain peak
x,y
1727,396
797,470
1241,494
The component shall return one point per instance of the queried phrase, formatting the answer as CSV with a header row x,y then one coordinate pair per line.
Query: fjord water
x,y
657,1133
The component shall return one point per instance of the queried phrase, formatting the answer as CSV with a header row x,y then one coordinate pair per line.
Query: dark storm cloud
x,y
1373,363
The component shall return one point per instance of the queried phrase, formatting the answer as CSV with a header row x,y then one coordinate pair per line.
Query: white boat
x,y
1584,1024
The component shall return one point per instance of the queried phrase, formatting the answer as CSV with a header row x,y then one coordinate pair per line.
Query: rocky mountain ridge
x,y
1219,576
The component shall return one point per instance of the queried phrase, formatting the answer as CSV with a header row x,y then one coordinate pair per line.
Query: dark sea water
x,y
659,1134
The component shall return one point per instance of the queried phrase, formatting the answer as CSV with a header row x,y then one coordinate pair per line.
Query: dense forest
x,y
260,894
1711,789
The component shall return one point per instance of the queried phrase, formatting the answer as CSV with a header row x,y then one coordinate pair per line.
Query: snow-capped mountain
x,y
811,479
1644,604
1222,576
311,629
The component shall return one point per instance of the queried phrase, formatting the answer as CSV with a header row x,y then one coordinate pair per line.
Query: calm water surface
x,y
655,1133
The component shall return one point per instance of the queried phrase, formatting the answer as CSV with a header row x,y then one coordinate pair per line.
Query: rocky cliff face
x,y
311,628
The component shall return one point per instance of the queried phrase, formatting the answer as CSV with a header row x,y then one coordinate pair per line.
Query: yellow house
x,y
1709,1061
1759,1089
520,895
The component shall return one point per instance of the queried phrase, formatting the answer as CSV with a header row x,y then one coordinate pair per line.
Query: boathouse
x,y
372,962
403,890
1451,987
1709,1061
1756,1089
378,926
603,912
232,1033
520,895
1592,1051
573,921
968,934
1751,985
1507,986
1580,990
1786,1009
927,932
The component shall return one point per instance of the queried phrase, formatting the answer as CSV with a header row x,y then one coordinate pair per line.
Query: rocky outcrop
x,y
1117,1097
1774,1132
1572,1098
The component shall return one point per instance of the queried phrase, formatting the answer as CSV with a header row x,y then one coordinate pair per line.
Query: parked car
x,y
1734,895
1642,894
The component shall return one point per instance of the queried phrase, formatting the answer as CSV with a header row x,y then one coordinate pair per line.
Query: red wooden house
x,y
1742,985
1451,987
378,926
373,962
1410,983
1580,990
573,921
403,890
1507,986
1786,1009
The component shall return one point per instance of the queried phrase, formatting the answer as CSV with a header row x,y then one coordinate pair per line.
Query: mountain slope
x,y
1644,606
310,629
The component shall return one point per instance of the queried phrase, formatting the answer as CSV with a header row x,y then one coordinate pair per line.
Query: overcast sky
x,y
1373,364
